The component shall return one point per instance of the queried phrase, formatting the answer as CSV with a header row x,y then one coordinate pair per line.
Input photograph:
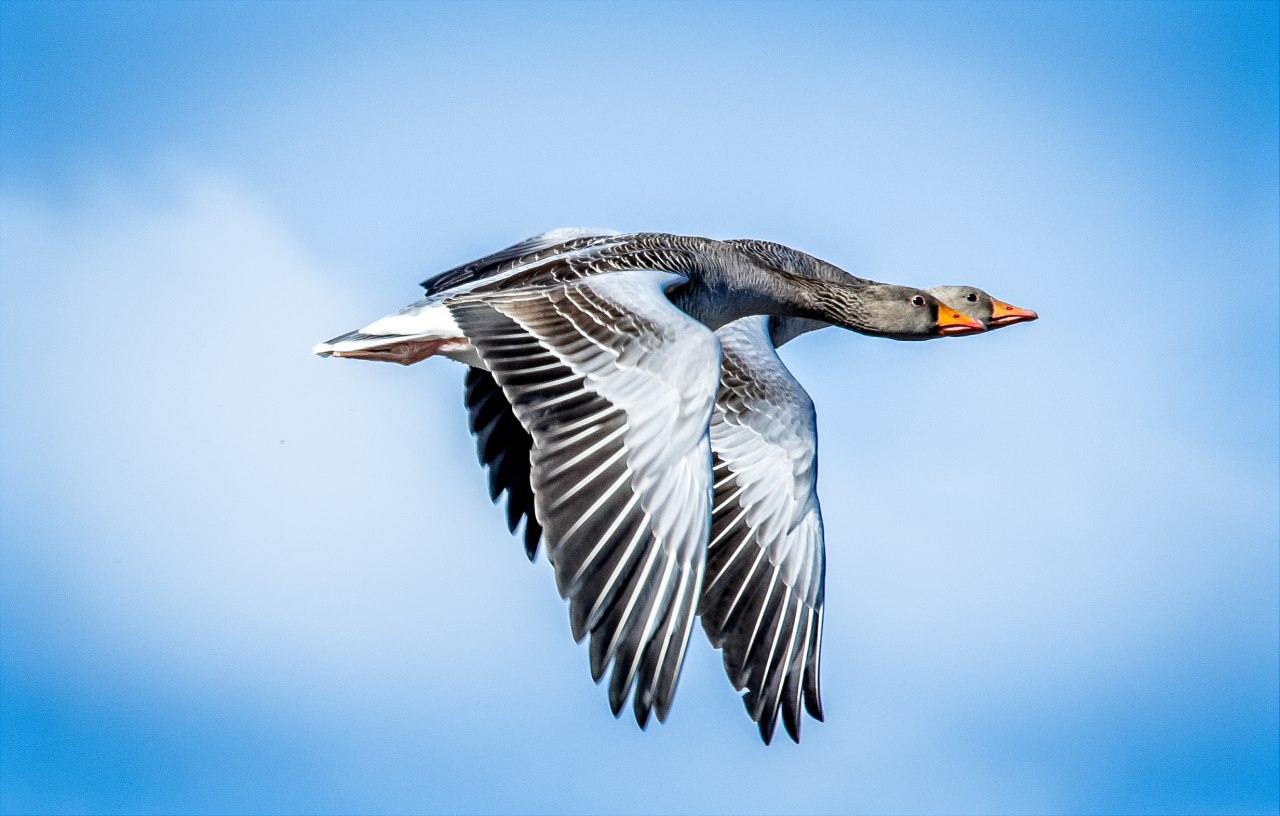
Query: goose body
x,y
594,370
712,282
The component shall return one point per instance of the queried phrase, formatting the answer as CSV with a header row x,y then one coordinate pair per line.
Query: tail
x,y
411,335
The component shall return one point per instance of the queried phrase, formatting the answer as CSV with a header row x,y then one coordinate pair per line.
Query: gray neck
x,y
739,278
785,329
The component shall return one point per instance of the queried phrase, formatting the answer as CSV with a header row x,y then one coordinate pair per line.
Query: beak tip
x,y
1006,314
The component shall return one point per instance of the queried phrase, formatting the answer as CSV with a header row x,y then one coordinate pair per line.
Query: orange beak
x,y
1006,314
952,322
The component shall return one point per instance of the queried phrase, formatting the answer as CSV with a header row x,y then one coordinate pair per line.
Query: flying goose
x,y
764,584
604,348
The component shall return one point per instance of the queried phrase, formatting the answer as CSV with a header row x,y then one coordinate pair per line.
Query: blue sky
x,y
238,578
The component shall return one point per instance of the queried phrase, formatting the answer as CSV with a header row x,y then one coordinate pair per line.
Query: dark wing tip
x,y
814,706
532,534
767,725
598,661
661,711
642,710
812,689
791,721
615,702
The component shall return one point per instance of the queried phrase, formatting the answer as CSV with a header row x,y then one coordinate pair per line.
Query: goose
x,y
604,347
764,447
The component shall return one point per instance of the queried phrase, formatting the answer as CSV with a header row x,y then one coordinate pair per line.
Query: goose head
x,y
885,310
990,312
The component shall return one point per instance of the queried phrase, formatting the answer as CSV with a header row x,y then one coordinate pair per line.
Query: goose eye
x,y
918,300
971,297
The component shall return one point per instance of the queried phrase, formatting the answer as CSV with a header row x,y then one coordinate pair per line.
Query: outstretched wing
x,y
763,438
615,387
762,598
